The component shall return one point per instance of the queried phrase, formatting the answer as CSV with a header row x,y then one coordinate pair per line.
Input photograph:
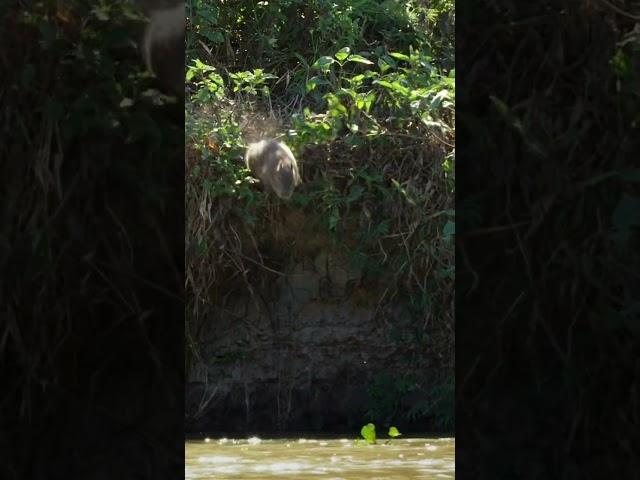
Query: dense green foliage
x,y
364,94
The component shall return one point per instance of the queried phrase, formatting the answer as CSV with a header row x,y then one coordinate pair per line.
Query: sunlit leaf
x,y
395,86
368,432
356,80
343,53
393,432
400,56
323,63
384,66
311,84
437,100
359,59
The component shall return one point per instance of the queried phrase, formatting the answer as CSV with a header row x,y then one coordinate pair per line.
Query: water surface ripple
x,y
336,459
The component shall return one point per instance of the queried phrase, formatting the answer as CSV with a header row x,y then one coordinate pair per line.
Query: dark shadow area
x,y
91,249
547,251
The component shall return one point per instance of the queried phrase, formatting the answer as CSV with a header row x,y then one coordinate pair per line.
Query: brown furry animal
x,y
274,164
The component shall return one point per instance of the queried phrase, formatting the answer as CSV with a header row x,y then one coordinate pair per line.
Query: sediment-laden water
x,y
336,459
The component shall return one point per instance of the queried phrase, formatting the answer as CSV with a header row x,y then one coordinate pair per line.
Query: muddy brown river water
x,y
336,459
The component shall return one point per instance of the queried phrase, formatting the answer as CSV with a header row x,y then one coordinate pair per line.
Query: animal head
x,y
163,43
275,165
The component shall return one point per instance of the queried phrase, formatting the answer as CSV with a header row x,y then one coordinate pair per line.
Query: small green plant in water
x,y
393,433
368,433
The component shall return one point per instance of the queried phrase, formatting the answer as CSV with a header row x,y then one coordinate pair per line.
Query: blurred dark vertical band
x,y
547,257
91,248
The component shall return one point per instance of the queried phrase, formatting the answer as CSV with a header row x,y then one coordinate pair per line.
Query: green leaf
x,y
336,108
368,432
389,61
343,53
436,102
312,84
359,59
215,37
384,83
384,66
208,13
393,432
303,60
621,64
369,100
203,66
357,80
323,63
348,91
400,56
395,86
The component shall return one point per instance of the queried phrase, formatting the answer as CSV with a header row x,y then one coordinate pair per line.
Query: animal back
x,y
274,164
